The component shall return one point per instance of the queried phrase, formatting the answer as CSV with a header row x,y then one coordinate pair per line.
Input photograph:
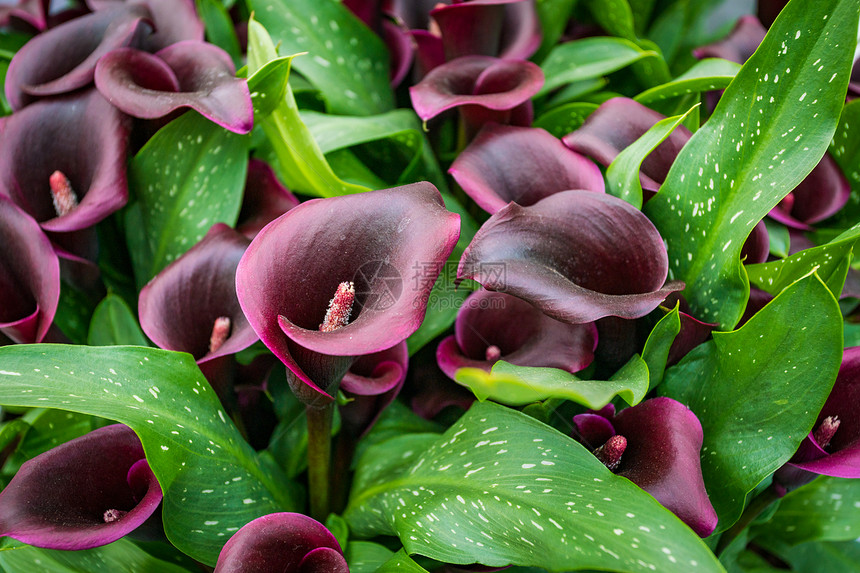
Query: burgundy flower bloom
x,y
64,58
484,89
185,74
174,20
576,255
85,493
63,160
739,45
520,164
265,199
656,445
363,251
824,192
29,277
283,542
32,13
372,383
494,326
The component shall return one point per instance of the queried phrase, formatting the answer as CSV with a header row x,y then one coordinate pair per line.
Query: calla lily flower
x,y
265,199
283,542
372,383
85,493
174,20
356,256
64,58
483,88
494,326
429,391
185,74
520,164
576,255
33,13
63,160
616,124
29,277
833,446
191,305
821,194
739,45
656,445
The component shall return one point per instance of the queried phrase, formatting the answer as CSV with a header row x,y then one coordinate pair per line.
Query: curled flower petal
x,y
520,164
372,383
29,277
283,542
174,20
82,136
739,45
265,199
142,84
757,246
576,255
821,194
515,331
33,13
61,499
375,240
64,58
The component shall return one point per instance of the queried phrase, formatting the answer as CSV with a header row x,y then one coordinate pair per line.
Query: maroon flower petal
x,y
593,429
615,125
174,20
59,499
576,255
186,74
64,58
265,199
29,277
664,439
81,135
372,383
179,307
494,326
757,246
377,239
821,194
33,13
283,542
399,42
739,45
520,164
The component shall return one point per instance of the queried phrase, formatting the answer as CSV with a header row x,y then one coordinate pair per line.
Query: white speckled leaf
x,y
709,74
757,390
122,555
771,127
500,487
212,481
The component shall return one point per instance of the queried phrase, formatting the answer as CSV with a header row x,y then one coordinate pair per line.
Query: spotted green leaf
x,y
709,74
400,561
659,342
213,481
188,177
622,175
366,556
219,28
122,555
757,390
346,61
566,118
499,487
268,86
114,323
845,149
771,127
817,556
519,385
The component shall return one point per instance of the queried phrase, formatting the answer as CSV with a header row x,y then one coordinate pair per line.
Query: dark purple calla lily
x,y
174,20
63,160
372,383
185,74
616,124
821,194
520,164
32,13
494,326
310,259
656,445
85,493
739,45
576,255
430,391
29,277
265,199
64,58
485,89
191,305
283,542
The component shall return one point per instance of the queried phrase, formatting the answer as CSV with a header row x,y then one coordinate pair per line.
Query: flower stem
x,y
753,510
319,458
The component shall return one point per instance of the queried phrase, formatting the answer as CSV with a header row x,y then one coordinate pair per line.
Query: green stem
x,y
753,510
319,459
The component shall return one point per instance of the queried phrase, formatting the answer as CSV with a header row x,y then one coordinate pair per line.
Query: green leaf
x,y
553,16
562,120
757,390
46,429
401,561
219,28
845,150
824,510
622,176
212,480
779,238
339,528
302,164
519,385
709,74
769,130
74,312
827,260
658,344
122,555
366,556
268,86
394,456
526,495
188,177
817,556
114,323
347,62
396,420
589,58
614,16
